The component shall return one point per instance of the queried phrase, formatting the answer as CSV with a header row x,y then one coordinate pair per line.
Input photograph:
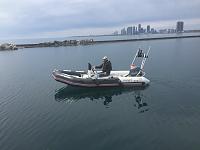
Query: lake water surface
x,y
38,113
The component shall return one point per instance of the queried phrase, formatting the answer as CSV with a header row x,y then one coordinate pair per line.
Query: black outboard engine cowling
x,y
89,66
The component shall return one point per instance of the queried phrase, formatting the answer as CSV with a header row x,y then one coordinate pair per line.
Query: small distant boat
x,y
129,78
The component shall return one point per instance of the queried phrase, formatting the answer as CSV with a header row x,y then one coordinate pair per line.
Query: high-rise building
x,y
129,31
179,26
139,28
148,29
123,31
153,30
134,30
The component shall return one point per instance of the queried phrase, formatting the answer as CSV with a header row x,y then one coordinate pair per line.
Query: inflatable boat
x,y
128,78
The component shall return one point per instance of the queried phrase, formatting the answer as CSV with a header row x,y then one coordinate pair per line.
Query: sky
x,y
60,18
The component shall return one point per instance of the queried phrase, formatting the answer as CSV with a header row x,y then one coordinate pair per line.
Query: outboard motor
x,y
89,66
91,71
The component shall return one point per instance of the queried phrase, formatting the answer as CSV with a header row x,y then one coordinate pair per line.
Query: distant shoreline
x,y
91,41
148,39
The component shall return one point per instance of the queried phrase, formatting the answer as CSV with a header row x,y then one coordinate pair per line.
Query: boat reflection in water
x,y
140,104
69,94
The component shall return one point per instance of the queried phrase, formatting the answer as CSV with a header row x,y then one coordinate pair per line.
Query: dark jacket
x,y
106,67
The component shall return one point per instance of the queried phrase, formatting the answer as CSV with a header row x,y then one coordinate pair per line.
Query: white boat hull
x,y
83,79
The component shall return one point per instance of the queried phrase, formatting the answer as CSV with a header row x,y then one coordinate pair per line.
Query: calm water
x,y
38,113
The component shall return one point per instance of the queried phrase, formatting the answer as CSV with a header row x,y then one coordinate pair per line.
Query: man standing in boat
x,y
106,67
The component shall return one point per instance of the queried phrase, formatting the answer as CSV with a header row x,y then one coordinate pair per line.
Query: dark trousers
x,y
104,74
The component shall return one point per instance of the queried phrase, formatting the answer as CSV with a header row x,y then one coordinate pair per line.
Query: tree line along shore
x,y
8,46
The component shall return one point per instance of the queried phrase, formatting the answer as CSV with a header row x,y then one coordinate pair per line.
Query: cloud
x,y
26,17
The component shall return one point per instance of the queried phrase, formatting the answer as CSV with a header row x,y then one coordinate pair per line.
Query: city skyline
x,y
50,18
139,29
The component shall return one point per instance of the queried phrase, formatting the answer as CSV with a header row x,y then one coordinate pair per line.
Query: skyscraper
x,y
134,30
129,30
123,31
179,26
139,28
148,28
